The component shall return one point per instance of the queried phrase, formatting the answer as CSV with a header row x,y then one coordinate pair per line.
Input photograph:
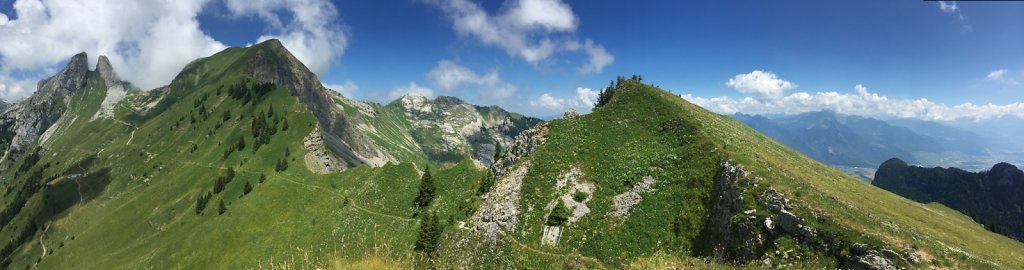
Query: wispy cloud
x,y
347,89
410,89
534,30
1003,76
951,7
449,75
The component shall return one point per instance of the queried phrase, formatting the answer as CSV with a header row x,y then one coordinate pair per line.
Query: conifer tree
x,y
221,209
426,194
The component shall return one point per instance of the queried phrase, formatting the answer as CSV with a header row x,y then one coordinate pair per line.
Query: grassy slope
x,y
143,215
941,233
619,143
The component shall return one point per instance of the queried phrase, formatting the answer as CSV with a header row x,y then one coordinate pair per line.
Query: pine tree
x,y
221,209
219,185
426,194
201,203
430,234
486,183
497,152
559,215
241,143
247,188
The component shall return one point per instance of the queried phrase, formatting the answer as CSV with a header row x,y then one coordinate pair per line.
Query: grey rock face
x,y
106,71
499,211
318,158
738,240
116,89
24,122
463,130
524,144
274,64
624,203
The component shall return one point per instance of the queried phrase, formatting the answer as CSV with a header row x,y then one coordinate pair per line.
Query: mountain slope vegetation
x,y
663,176
246,161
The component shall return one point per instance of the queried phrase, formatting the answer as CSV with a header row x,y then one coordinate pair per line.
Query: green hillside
x,y
645,131
209,173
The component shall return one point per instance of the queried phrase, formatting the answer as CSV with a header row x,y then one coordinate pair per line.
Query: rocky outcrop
x,y
499,212
23,123
739,235
567,186
624,203
449,129
318,158
733,240
524,145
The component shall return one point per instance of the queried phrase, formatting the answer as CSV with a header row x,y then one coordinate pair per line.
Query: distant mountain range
x,y
994,197
855,141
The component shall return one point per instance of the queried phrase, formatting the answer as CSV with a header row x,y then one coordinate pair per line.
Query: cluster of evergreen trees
x,y
262,130
202,202
219,185
282,165
606,95
199,106
247,92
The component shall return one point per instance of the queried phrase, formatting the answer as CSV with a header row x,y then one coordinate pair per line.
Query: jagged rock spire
x,y
106,71
71,78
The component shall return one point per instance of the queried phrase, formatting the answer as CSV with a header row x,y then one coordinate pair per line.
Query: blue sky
x,y
880,58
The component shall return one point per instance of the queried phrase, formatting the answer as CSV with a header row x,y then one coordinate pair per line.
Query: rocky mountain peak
x,y
269,61
106,71
71,78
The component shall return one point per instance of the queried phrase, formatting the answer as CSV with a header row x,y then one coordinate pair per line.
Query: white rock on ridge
x,y
116,89
499,211
318,158
625,202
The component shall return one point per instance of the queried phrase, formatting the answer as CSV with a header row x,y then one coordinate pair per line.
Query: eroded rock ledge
x,y
741,235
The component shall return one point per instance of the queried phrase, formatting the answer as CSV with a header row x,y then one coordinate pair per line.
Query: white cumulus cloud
x,y
547,101
411,89
760,84
583,101
347,89
586,97
533,30
861,102
449,75
148,42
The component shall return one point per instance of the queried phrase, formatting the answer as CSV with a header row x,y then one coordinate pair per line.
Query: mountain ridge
x,y
208,172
